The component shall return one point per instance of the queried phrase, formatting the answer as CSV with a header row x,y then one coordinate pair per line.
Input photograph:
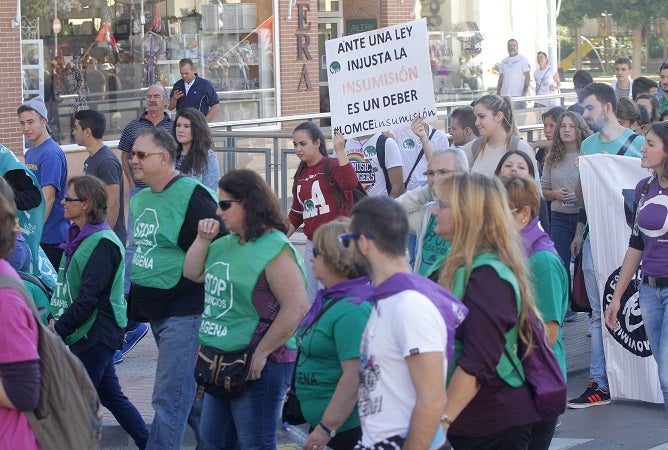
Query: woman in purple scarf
x,y
88,309
548,275
326,376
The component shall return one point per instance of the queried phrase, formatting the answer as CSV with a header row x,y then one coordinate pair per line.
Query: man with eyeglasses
x,y
408,337
154,117
419,202
165,221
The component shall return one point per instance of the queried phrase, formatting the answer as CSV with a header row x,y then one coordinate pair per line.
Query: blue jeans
x,y
130,249
175,388
562,232
250,421
654,308
98,362
312,283
597,357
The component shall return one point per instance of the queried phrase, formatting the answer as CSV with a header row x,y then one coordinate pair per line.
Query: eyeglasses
x,y
226,204
347,238
316,252
431,173
72,199
142,155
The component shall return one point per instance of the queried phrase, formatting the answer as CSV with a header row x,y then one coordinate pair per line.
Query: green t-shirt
x,y
593,144
334,338
433,246
231,272
551,288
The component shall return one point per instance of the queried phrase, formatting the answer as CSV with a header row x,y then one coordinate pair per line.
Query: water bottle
x,y
297,435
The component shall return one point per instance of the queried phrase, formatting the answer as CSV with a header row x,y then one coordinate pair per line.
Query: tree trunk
x,y
637,51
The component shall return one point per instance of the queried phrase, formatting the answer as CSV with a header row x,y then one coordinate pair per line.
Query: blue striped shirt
x,y
133,129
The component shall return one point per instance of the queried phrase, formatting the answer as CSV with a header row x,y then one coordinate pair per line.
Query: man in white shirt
x,y
514,74
406,342
378,164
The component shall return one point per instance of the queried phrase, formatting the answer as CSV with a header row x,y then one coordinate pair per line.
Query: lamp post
x,y
56,27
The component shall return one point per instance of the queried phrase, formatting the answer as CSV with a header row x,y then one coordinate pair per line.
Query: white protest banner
x,y
632,371
380,80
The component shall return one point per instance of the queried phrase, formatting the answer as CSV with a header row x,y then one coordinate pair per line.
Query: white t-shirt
x,y
489,158
544,80
409,146
513,69
402,325
363,157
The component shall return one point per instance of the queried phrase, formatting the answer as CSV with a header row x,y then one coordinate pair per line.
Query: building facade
x,y
264,57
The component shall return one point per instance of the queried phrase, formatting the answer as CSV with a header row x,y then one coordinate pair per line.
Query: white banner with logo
x,y
381,79
632,371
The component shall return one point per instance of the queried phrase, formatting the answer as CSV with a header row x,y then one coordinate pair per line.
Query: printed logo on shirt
x,y
409,144
631,333
414,351
218,298
145,230
366,173
315,205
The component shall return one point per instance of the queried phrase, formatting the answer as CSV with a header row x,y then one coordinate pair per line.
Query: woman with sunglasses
x,y
489,406
254,294
196,158
648,245
90,315
316,200
327,373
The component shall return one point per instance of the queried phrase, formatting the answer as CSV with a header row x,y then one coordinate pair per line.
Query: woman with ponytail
x,y
498,134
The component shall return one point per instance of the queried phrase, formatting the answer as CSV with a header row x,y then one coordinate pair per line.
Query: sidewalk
x,y
624,425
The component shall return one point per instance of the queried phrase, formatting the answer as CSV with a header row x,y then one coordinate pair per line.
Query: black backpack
x,y
358,193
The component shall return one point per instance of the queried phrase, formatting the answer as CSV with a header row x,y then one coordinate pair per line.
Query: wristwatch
x,y
328,430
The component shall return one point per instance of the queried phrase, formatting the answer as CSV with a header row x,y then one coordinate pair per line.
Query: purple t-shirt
x,y
496,406
653,225
18,342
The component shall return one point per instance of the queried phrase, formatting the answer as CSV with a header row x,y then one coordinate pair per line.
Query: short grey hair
x,y
461,160
163,89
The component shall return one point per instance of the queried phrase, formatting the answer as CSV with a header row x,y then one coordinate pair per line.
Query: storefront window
x,y
103,52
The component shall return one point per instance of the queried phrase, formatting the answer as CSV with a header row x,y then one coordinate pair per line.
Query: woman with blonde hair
x,y
327,374
489,405
498,134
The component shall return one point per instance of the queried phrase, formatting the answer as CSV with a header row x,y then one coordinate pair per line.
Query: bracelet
x,y
446,420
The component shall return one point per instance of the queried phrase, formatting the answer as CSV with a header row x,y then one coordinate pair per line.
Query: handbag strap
x,y
302,333
645,189
417,160
627,144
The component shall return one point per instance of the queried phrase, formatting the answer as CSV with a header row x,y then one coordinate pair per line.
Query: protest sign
x,y
632,371
380,80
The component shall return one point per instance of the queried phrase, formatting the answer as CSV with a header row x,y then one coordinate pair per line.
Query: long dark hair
x,y
196,161
661,131
263,212
507,155
315,133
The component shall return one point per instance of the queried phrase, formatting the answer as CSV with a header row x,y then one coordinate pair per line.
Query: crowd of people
x,y
427,267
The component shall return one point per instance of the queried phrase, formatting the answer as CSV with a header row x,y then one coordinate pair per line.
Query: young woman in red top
x,y
314,200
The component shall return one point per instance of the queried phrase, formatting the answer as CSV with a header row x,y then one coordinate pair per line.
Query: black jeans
x,y
513,438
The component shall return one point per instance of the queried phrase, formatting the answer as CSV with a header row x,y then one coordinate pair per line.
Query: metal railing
x,y
265,145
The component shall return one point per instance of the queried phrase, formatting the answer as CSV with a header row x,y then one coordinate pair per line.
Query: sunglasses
x,y
346,239
226,204
72,199
316,252
142,155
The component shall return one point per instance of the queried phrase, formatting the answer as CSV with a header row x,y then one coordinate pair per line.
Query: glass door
x,y
328,28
